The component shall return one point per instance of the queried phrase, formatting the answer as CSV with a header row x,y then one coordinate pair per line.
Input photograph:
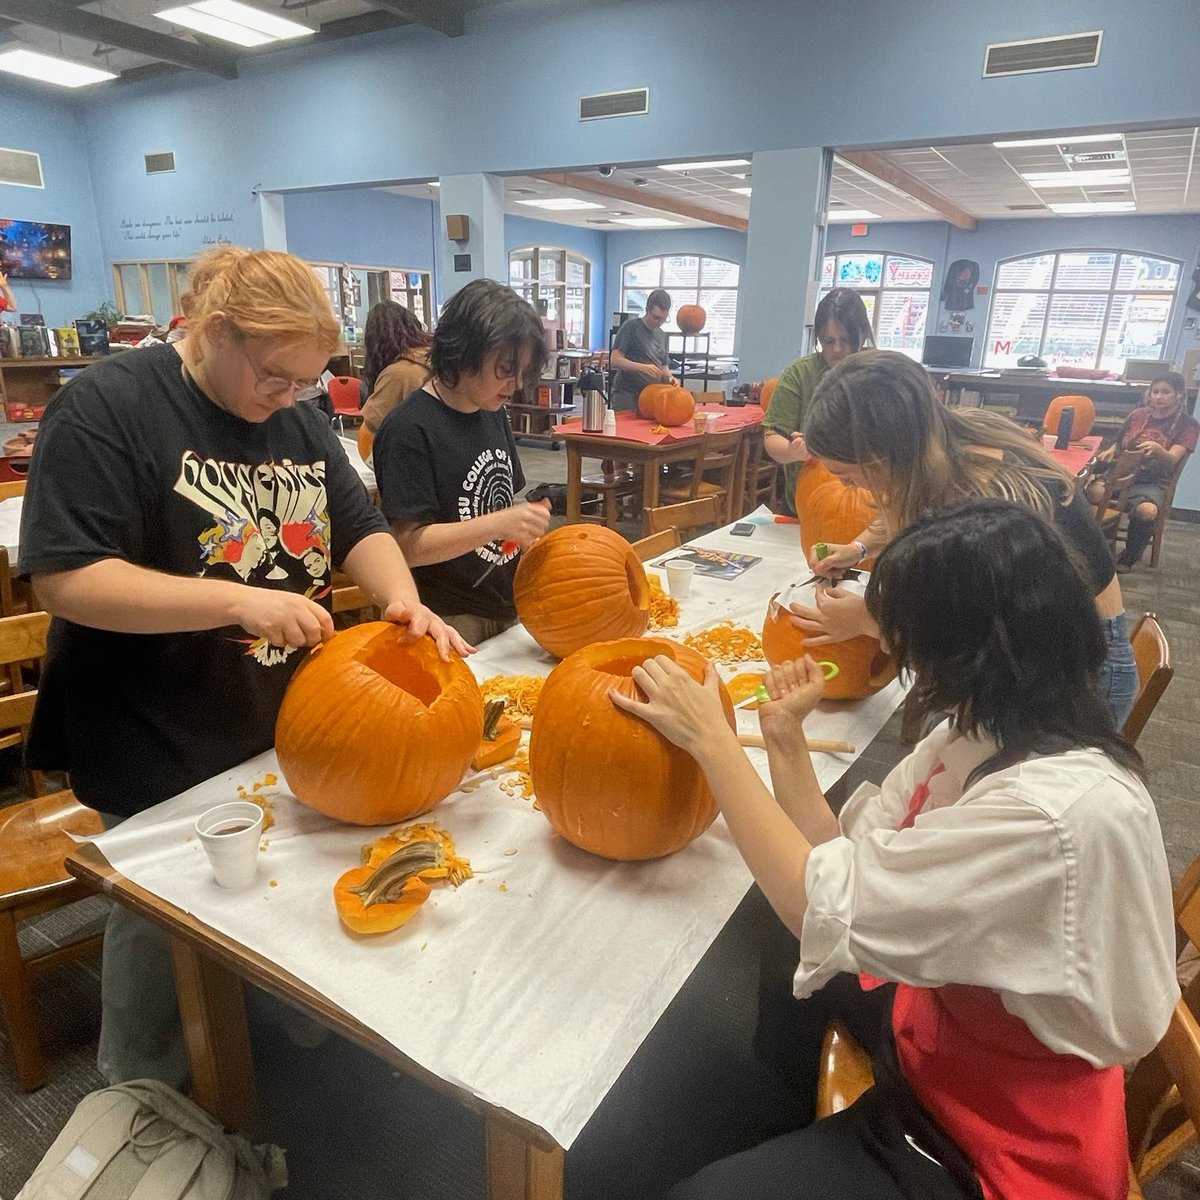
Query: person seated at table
x,y
875,423
1166,433
180,610
1003,896
639,353
396,361
446,462
842,327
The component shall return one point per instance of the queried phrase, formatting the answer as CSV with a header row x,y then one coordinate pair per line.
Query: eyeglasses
x,y
272,385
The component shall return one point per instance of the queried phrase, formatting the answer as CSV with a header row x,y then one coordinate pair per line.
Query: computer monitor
x,y
1143,370
952,353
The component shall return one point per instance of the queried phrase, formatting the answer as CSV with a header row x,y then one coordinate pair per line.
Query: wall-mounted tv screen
x,y
35,250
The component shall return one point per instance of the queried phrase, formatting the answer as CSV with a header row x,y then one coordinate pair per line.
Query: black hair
x,y
846,307
659,298
1174,378
391,333
983,604
486,318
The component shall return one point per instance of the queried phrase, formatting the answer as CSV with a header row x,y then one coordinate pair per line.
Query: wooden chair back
x,y
690,514
707,397
714,470
352,598
10,489
764,476
1164,510
657,543
1155,670
22,638
1121,473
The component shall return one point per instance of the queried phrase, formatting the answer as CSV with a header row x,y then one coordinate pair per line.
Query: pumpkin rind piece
x,y
581,584
606,780
376,918
374,729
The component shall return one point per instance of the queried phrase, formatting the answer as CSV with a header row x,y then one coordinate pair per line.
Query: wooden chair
x,y
1155,671
657,543
33,880
764,476
615,482
713,473
691,514
1118,521
10,489
1121,473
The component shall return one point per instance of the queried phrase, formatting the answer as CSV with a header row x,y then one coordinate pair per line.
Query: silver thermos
x,y
591,387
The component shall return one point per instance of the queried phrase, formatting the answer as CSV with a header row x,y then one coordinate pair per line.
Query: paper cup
x,y
701,421
679,578
229,834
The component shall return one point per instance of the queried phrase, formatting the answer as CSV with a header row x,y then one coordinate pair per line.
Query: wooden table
x,y
649,452
523,1162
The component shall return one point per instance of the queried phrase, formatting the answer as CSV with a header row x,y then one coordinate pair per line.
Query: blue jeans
x,y
1118,680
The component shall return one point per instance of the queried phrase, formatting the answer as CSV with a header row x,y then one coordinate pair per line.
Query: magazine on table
x,y
719,564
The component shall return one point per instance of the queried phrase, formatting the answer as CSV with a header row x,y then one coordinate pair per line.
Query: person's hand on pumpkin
x,y
522,523
424,622
283,618
794,688
838,616
683,711
837,558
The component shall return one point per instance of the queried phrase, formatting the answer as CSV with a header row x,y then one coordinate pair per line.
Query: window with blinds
x,y
895,290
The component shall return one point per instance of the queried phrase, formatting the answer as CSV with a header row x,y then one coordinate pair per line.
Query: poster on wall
x,y
35,250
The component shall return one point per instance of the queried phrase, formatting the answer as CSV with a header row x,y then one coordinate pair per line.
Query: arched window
x,y
1086,308
558,283
691,279
895,289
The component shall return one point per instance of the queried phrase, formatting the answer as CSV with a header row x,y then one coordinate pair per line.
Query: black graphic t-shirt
x,y
134,462
435,465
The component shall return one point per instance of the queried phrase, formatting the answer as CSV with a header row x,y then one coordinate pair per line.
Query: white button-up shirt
x,y
1046,882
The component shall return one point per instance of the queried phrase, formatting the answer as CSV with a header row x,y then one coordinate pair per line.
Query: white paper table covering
x,y
10,527
363,470
533,997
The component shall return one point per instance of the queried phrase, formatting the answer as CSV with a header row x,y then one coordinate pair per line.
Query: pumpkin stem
x,y
493,710
385,884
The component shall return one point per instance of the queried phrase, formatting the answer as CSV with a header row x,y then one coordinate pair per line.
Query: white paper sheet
x,y
10,526
533,984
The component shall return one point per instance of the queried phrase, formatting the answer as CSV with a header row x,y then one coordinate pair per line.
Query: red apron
x,y
1034,1124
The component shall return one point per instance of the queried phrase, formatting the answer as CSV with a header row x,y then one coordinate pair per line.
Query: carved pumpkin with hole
x,y
690,318
374,729
606,780
581,584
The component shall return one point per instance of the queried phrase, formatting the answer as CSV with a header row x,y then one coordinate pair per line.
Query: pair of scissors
x,y
760,695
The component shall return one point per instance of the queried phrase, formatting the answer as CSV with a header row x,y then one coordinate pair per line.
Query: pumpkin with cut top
x,y
607,781
581,584
375,729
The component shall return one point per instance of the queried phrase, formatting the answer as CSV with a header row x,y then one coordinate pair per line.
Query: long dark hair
x,y
392,332
846,307
983,604
486,318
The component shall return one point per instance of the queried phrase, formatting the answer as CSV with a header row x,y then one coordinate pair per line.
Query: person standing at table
x,y
842,327
875,423
397,360
997,912
446,461
639,353
180,610
1166,433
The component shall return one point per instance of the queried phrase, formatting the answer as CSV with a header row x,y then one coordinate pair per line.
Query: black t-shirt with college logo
x,y
134,462
435,465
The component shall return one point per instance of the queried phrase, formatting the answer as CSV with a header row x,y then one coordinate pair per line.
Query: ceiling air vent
x,y
634,103
1042,54
1026,207
21,168
160,164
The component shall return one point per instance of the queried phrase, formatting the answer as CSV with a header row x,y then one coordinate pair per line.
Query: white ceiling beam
x,y
638,196
873,163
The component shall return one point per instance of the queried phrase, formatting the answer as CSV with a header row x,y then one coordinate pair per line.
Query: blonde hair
x,y
877,408
262,293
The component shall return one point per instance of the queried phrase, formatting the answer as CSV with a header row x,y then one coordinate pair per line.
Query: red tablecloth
x,y
632,428
1078,454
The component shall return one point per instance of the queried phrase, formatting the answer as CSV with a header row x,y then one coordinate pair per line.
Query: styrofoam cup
x,y
229,834
679,578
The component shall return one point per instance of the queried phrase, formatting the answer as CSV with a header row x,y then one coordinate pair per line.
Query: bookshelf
x,y
27,384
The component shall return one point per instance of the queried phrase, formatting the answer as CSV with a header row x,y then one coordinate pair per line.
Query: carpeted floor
x,y
355,1130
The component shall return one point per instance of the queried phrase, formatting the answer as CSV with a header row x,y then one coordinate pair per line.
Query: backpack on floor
x,y
142,1140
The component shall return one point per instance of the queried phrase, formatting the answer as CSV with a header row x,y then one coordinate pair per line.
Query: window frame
x,y
531,289
1112,292
685,293
876,292
176,282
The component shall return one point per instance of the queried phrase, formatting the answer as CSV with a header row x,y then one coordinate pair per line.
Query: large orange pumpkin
x,y
650,398
863,668
768,390
374,729
1081,423
581,584
690,318
674,406
605,779
827,509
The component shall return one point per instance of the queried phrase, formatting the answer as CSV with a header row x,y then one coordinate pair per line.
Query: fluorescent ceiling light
x,y
1067,139
1085,178
1093,206
232,21
851,214
560,203
51,70
713,165
742,191
434,183
649,222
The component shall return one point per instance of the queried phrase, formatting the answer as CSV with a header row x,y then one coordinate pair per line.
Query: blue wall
x,y
361,225
52,130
